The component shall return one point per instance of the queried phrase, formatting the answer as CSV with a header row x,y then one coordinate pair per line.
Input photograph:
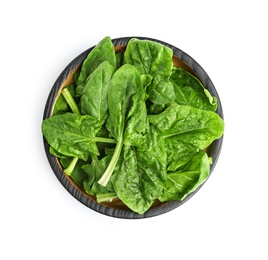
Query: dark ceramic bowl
x,y
117,208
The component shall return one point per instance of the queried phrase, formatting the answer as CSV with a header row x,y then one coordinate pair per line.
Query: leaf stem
x,y
69,99
70,168
109,171
105,140
106,197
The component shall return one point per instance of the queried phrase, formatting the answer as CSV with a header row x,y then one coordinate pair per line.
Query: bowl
x,y
116,208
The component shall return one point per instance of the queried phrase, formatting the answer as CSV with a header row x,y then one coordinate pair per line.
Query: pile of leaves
x,y
133,126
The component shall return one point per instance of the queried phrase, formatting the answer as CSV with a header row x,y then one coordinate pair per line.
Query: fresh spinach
x,y
136,184
190,91
73,135
94,172
192,125
127,117
179,152
156,60
95,92
104,51
181,183
134,127
141,172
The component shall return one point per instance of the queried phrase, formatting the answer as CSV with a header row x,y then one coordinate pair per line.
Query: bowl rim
x,y
68,185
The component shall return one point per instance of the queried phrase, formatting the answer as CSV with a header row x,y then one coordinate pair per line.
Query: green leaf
x,y
73,135
140,172
94,172
152,155
149,57
190,91
136,184
56,153
152,58
103,51
146,80
179,152
94,97
126,102
127,112
195,126
181,183
154,109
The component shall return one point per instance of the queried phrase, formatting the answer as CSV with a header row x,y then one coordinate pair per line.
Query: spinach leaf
x,y
104,51
127,112
149,57
190,91
73,135
94,97
126,101
56,153
155,59
137,185
161,91
94,172
179,152
140,172
181,183
154,109
151,154
192,125
146,80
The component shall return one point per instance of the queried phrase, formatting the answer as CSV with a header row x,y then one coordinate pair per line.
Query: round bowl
x,y
117,208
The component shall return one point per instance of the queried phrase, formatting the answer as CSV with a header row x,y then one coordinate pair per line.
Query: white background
x,y
226,219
